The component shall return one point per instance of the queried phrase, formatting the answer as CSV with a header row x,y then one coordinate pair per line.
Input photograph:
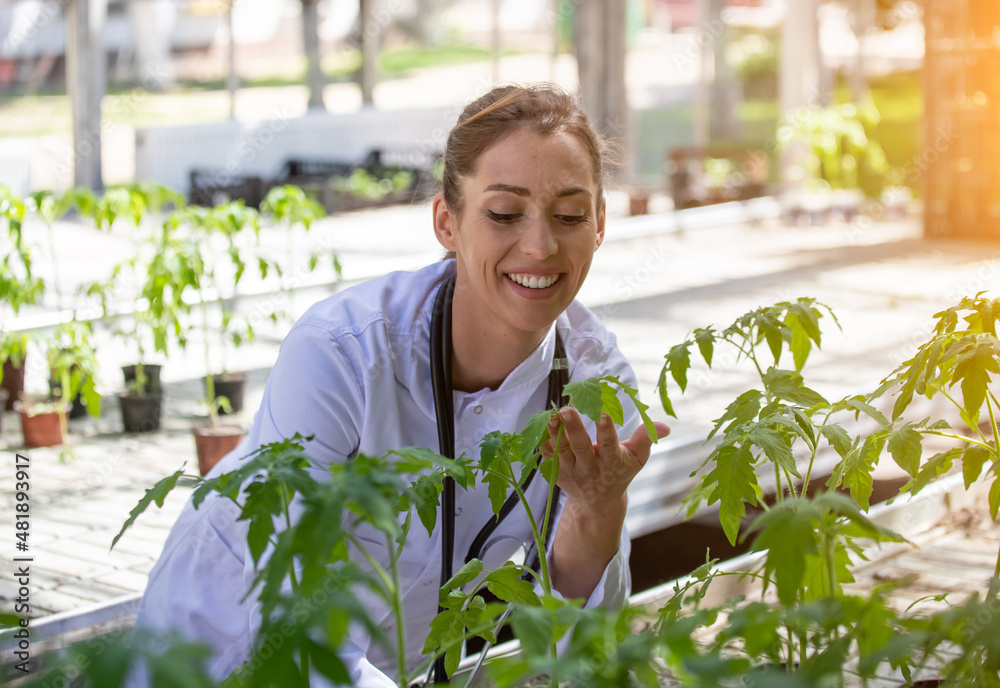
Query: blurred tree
x,y
310,43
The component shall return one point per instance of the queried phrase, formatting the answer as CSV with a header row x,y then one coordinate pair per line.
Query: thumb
x,y
639,444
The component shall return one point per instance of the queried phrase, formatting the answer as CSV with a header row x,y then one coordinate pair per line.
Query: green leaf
x,y
465,575
535,433
610,403
734,481
787,385
994,498
494,457
858,467
973,460
661,387
838,438
788,534
679,362
801,344
426,495
743,410
506,583
633,394
905,447
973,367
157,493
585,396
860,405
933,468
705,339
775,448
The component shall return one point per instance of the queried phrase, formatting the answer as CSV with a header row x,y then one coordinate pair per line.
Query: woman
x,y
522,211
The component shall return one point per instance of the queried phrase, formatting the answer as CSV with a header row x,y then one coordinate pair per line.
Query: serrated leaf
x,y
463,577
858,469
801,345
535,433
933,468
742,410
506,583
733,480
973,460
995,498
585,395
788,385
610,403
775,448
679,362
661,388
640,407
157,493
788,534
705,339
906,449
973,367
860,405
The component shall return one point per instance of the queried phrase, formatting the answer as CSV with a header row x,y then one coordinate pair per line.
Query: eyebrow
x,y
521,191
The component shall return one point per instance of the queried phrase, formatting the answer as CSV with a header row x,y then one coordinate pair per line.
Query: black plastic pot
x,y
77,410
3,405
141,412
231,386
152,372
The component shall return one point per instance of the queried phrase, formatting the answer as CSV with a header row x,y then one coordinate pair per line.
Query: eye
x,y
572,219
503,218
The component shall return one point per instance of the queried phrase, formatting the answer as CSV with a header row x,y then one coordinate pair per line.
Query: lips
x,y
533,281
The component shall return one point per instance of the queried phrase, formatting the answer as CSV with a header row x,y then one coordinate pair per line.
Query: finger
x,y
607,437
639,444
575,434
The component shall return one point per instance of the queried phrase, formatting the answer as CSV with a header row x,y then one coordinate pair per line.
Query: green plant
x,y
962,355
841,150
19,286
374,187
288,205
200,249
73,365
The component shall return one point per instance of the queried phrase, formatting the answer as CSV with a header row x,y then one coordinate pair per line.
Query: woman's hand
x,y
595,477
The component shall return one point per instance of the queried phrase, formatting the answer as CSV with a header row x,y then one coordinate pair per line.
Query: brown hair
x,y
544,108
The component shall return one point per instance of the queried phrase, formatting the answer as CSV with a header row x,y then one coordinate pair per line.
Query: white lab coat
x,y
355,372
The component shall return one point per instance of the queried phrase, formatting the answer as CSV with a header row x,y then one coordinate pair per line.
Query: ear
x,y
601,217
445,223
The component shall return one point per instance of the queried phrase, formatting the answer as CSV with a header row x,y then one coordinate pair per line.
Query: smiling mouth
x,y
533,281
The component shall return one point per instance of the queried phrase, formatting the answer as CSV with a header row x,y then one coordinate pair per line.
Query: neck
x,y
481,358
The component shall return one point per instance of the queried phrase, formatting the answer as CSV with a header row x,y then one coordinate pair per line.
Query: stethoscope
x,y
444,409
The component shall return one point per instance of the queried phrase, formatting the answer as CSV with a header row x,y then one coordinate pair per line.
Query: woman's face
x,y
527,233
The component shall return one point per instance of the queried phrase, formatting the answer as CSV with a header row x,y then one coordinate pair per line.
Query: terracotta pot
x,y
230,386
638,203
44,429
152,372
141,412
13,382
214,443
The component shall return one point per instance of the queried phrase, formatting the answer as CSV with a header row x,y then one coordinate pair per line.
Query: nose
x,y
538,239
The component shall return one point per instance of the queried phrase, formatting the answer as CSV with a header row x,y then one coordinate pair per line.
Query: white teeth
x,y
533,281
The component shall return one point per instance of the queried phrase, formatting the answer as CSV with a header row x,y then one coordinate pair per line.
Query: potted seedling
x,y
72,365
221,239
19,286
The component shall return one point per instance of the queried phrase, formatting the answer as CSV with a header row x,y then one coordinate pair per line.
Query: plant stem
x,y
55,266
962,408
962,438
397,612
209,380
778,489
293,579
539,543
552,488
